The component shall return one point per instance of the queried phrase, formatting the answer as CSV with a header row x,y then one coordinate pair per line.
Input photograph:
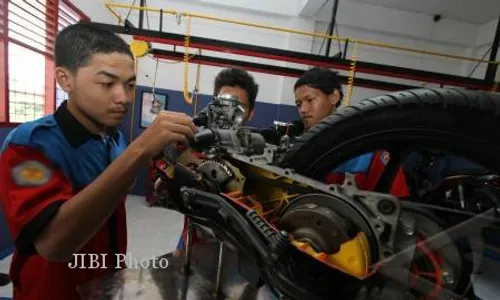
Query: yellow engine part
x,y
353,258
266,174
139,48
274,198
238,182
248,201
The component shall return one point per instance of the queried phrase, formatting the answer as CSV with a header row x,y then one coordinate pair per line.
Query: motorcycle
x,y
310,239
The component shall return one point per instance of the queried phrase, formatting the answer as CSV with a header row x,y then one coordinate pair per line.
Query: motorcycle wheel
x,y
455,121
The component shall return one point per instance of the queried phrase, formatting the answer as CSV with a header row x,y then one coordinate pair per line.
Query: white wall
x,y
381,24
391,57
354,19
298,43
362,15
484,41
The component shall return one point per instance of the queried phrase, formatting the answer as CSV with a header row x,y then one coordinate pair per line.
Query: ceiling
x,y
470,11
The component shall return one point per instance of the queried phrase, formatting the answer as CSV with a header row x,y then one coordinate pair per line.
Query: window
x,y
67,15
26,56
3,62
26,84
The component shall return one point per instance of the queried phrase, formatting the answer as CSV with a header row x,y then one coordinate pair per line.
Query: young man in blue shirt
x,y
65,176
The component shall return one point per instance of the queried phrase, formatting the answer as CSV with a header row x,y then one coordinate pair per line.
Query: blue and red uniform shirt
x,y
43,164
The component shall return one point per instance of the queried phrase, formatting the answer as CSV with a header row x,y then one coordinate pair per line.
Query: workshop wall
x,y
281,13
272,89
484,42
414,30
354,19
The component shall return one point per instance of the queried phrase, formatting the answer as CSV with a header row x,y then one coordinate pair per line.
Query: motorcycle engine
x,y
334,239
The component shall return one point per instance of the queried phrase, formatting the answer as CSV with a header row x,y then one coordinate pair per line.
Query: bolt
x,y
386,207
448,278
409,230
185,196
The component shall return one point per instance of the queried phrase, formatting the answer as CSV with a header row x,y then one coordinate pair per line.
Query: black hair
x,y
76,44
322,79
237,77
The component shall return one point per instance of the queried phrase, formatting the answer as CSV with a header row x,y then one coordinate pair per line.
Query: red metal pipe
x,y
243,52
82,15
17,42
254,69
4,52
338,66
50,82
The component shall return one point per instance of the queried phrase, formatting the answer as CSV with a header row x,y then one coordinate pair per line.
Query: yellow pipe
x,y
187,98
251,24
197,85
114,13
145,8
352,73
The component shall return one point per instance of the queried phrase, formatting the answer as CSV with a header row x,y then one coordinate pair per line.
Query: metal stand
x,y
217,290
171,283
190,227
188,254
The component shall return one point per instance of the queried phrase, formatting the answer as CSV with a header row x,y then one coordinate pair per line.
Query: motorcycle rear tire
x,y
462,122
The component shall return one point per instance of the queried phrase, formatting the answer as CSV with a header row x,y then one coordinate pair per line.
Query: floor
x,y
154,231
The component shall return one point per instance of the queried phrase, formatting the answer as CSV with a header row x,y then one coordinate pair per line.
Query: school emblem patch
x,y
31,173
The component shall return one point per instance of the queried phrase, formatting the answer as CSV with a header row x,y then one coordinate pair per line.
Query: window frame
x,y
51,32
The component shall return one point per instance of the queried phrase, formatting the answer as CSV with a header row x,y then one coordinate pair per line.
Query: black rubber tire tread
x,y
474,114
